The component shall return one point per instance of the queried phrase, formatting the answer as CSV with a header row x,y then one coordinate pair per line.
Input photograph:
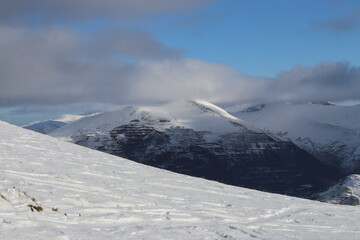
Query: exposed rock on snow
x,y
255,108
347,191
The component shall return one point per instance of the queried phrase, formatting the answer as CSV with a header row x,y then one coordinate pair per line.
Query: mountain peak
x,y
206,106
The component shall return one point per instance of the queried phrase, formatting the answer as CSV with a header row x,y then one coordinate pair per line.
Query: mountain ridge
x,y
331,133
201,139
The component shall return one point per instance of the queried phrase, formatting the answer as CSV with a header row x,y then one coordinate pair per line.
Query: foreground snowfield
x,y
85,194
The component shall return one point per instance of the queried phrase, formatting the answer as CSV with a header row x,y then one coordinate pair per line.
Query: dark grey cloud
x,y
129,43
48,64
57,65
343,24
23,10
334,81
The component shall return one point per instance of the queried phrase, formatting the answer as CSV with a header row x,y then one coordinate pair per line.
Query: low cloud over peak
x,y
60,66
334,81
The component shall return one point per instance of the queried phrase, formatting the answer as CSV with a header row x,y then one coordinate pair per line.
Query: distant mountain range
x,y
299,149
47,126
330,133
200,139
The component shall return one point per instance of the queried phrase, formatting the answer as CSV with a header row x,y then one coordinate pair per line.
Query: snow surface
x,y
85,194
316,127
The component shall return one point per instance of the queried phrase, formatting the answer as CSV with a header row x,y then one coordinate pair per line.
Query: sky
x,y
83,56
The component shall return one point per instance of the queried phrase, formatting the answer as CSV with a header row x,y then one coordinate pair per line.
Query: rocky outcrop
x,y
249,159
347,192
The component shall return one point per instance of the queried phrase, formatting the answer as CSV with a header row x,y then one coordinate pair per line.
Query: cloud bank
x,y
49,64
60,66
334,81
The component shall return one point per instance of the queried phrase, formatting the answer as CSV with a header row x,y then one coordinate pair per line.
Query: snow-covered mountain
x,y
47,126
200,139
57,190
331,133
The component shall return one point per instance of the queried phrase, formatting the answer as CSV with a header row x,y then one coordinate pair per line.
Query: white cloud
x,y
59,66
189,78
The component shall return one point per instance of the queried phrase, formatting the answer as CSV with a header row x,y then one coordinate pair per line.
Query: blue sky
x,y
259,37
86,53
263,37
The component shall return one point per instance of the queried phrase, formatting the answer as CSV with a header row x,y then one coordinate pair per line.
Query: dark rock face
x,y
247,158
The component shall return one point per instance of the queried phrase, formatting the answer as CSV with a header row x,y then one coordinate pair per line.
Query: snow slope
x,y
332,133
79,193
